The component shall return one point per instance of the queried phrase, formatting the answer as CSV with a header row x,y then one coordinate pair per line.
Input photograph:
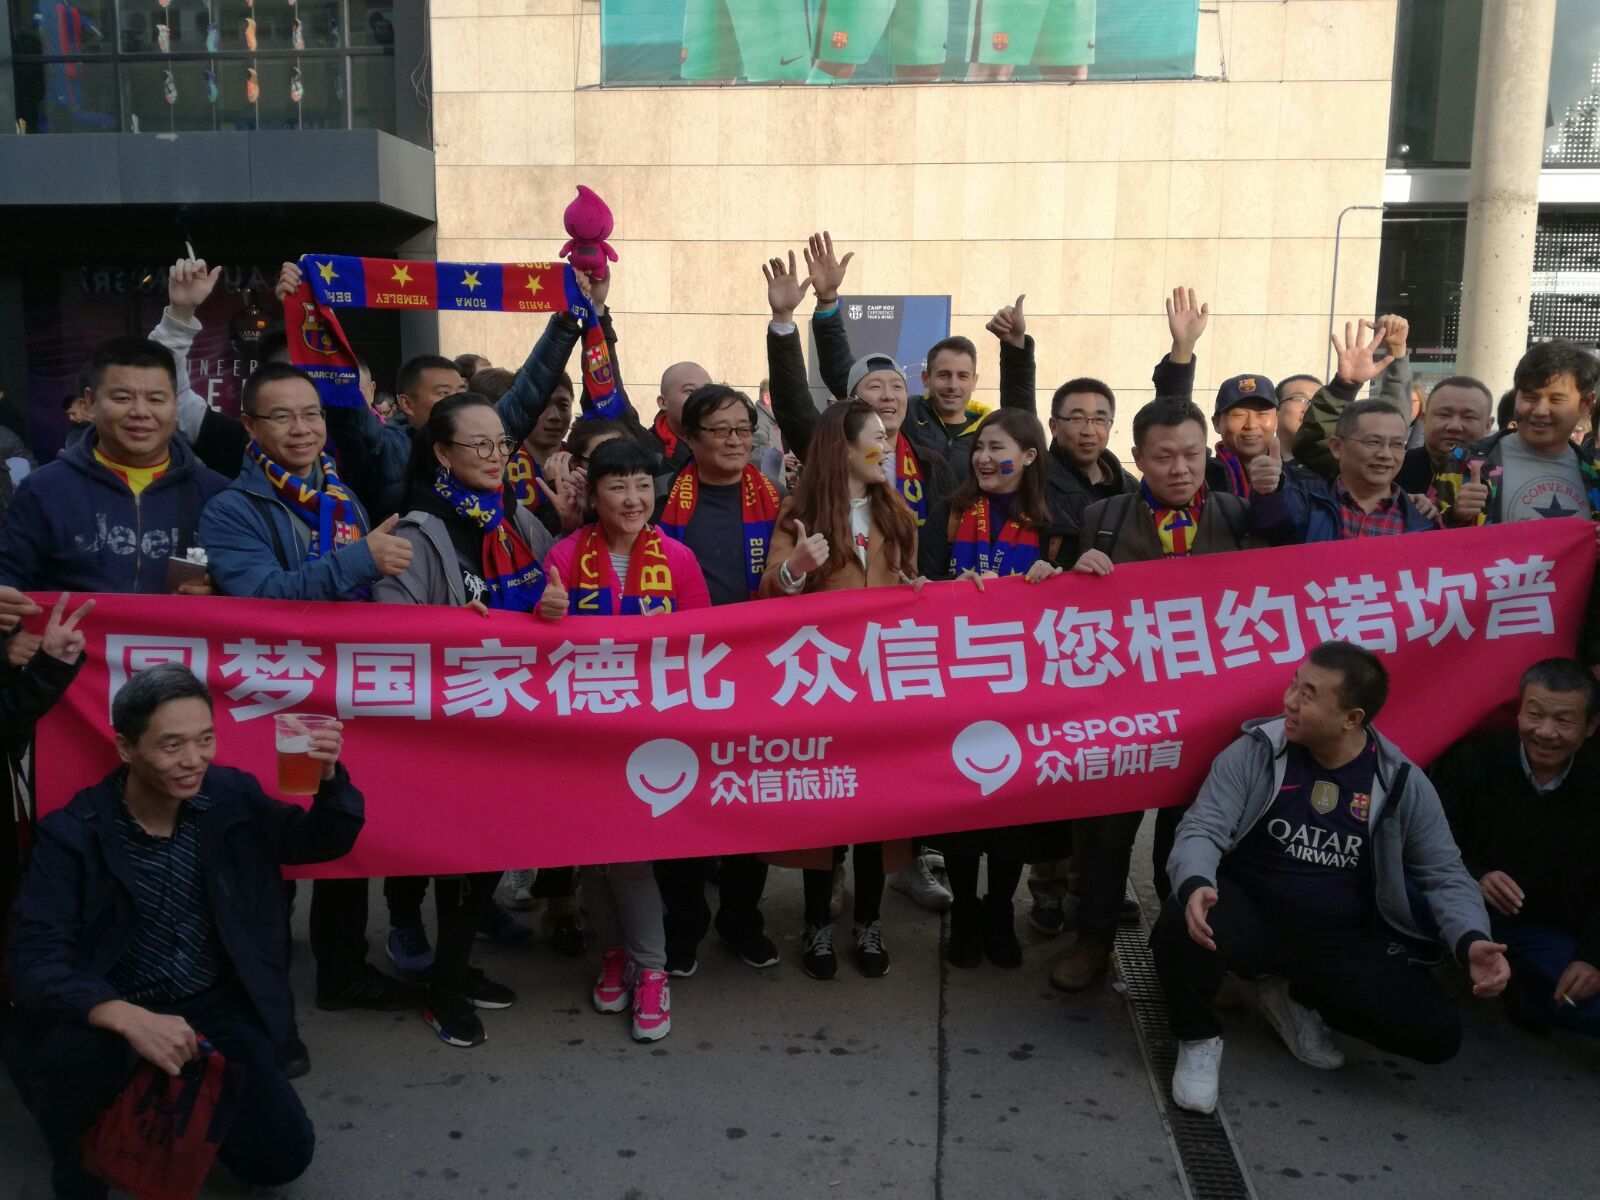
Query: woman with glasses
x,y
998,522
468,548
621,565
844,527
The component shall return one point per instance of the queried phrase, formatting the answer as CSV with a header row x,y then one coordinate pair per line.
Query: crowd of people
x,y
480,490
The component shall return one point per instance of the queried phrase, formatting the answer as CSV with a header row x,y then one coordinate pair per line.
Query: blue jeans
x,y
1539,954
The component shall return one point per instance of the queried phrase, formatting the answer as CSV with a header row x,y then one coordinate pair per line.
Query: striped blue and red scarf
x,y
647,589
331,510
1176,527
512,578
977,547
758,507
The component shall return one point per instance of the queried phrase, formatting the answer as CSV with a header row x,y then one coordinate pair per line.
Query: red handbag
x,y
160,1137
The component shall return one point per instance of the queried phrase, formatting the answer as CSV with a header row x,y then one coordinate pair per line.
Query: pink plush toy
x,y
588,220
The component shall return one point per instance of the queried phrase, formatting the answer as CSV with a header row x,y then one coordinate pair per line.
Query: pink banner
x,y
487,743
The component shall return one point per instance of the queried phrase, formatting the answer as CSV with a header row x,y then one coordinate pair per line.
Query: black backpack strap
x,y
1111,520
1237,514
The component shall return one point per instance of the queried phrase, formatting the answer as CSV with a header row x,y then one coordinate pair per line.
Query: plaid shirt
x,y
1387,520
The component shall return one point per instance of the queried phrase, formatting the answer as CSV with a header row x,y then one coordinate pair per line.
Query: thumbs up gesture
x,y
391,554
553,604
1266,470
810,551
1010,325
1473,497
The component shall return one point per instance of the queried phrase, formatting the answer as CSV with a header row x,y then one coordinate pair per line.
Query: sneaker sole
x,y
866,974
490,1005
759,964
1196,1108
447,1039
682,972
820,978
651,1035
620,1005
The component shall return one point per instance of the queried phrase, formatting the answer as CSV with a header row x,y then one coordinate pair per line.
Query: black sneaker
x,y
500,927
1000,940
371,990
1129,912
296,1059
871,955
756,950
567,937
818,959
482,992
681,965
965,947
455,1021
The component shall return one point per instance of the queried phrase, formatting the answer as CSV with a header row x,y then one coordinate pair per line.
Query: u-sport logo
x,y
987,753
662,773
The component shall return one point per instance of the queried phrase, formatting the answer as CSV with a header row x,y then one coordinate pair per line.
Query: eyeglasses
x,y
1079,420
283,420
1373,444
505,446
724,433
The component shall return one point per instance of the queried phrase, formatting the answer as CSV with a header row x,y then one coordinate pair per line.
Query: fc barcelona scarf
x,y
648,588
331,512
523,473
664,435
758,507
317,342
511,576
1238,477
908,478
1176,527
975,547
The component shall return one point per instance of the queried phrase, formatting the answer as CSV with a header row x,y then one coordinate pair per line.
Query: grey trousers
x,y
625,904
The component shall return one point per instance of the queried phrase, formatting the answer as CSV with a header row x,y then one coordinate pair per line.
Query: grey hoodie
x,y
1409,836
432,577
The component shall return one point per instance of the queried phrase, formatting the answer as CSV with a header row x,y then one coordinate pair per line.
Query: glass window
x,y
59,27
373,90
1572,138
372,23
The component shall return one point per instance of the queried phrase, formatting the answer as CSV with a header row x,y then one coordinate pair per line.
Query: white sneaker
x,y
1302,1029
518,889
917,880
1194,1079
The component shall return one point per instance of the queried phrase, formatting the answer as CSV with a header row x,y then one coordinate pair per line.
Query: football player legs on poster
x,y
758,41
848,31
1057,36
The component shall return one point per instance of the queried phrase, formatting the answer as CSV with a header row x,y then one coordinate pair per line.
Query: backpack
x,y
1112,519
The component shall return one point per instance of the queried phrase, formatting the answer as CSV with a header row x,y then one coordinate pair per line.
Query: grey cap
x,y
867,364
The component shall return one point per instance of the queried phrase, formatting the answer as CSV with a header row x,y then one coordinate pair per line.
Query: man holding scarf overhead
x,y
287,528
724,509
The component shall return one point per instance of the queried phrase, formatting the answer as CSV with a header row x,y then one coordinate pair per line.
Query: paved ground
x,y
929,1083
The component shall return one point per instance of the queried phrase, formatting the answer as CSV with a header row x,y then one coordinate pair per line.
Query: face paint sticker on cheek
x,y
1007,467
873,455
662,773
987,754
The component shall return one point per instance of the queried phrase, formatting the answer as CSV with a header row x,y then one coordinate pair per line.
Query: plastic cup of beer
x,y
298,773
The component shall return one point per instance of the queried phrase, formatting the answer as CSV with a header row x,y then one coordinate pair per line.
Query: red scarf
x,y
975,548
758,504
648,588
1176,527
908,478
523,474
668,439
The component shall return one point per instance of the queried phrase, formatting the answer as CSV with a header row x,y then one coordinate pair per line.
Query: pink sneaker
x,y
652,1007
613,990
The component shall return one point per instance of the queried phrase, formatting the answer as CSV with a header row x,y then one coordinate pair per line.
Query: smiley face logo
x,y
662,773
987,753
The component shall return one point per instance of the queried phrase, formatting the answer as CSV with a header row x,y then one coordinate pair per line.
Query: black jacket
x,y
1543,841
1069,492
76,918
796,415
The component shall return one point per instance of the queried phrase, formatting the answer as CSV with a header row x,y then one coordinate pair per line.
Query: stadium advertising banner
x,y
900,326
893,41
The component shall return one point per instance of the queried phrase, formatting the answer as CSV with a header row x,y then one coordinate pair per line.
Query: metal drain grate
x,y
1209,1161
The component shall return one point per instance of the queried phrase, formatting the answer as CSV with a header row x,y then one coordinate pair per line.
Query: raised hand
x,y
810,551
1472,497
1196,913
391,554
289,280
1486,963
1010,325
1396,329
63,640
785,288
827,268
566,498
553,603
597,290
1358,363
190,284
1186,321
1266,470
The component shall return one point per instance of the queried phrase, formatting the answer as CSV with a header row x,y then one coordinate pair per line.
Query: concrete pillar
x,y
1503,207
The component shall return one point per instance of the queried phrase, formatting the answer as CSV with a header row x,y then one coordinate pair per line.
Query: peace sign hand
x,y
63,640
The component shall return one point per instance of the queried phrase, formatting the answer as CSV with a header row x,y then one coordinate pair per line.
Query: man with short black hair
x,y
1081,468
151,917
1173,514
111,510
468,365
1521,804
1298,862
1295,394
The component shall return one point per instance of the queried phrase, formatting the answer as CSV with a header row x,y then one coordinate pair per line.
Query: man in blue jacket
x,y
288,529
152,914
108,514
1369,445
